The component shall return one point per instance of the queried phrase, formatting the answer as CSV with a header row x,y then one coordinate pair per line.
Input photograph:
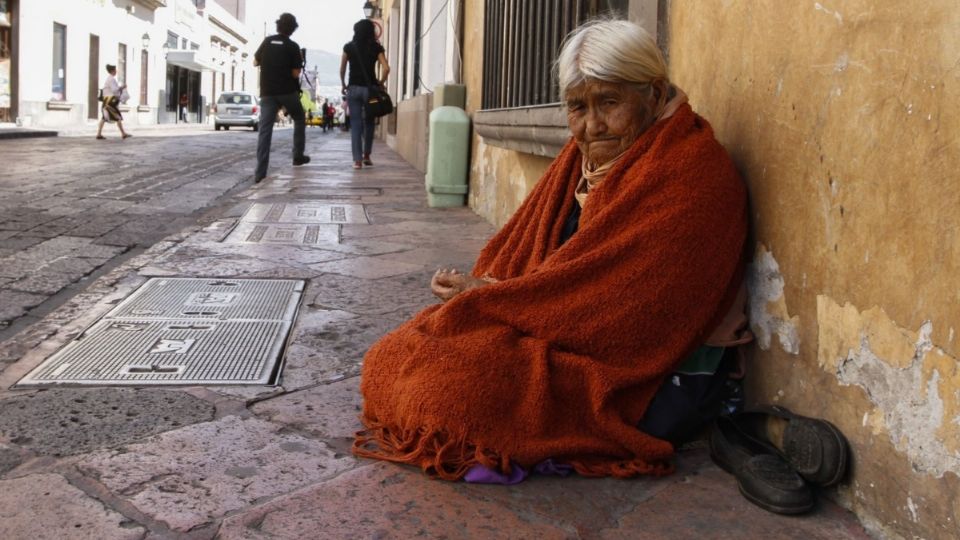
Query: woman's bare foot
x,y
447,283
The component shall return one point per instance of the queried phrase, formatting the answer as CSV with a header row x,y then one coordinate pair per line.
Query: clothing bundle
x,y
560,357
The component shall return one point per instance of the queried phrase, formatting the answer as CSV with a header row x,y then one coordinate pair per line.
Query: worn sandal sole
x,y
805,443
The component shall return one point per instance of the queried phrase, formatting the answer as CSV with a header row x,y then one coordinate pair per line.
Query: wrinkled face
x,y
606,118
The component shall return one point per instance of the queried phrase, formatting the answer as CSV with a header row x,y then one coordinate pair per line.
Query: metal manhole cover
x,y
223,299
276,233
306,212
142,352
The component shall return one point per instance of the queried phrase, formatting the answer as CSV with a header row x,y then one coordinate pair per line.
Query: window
x,y
172,40
58,91
144,60
122,63
522,39
235,99
243,80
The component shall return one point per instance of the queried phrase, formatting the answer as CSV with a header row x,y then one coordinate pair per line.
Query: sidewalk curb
x,y
24,133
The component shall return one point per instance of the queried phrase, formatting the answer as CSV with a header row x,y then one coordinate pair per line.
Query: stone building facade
x,y
165,51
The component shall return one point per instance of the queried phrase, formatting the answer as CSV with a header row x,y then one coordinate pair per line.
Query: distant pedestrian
x,y
362,54
111,101
184,105
280,62
328,112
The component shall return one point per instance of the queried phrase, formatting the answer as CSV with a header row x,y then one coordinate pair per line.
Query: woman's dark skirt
x,y
111,112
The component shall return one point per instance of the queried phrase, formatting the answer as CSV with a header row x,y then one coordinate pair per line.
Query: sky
x,y
324,24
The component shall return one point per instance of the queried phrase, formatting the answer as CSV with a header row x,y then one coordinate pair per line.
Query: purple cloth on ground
x,y
549,466
478,474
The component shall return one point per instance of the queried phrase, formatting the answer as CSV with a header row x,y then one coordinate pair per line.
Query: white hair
x,y
609,50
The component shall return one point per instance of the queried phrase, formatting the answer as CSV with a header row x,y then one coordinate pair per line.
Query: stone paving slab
x,y
45,506
327,411
62,422
189,477
330,345
14,304
368,267
367,297
46,283
384,501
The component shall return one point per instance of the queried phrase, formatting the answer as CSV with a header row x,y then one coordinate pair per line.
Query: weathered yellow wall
x,y
844,118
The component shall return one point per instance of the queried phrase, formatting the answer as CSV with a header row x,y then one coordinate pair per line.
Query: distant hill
x,y
327,65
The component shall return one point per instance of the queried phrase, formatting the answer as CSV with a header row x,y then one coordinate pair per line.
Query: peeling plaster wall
x,y
844,118
500,179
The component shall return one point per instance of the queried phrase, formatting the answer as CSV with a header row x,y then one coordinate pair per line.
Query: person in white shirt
x,y
111,101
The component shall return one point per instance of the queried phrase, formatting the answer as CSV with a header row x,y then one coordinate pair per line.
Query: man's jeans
x,y
269,105
361,123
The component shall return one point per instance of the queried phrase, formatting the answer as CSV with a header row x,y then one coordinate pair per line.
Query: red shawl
x,y
561,357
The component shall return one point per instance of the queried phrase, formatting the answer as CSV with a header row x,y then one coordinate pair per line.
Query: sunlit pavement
x,y
274,462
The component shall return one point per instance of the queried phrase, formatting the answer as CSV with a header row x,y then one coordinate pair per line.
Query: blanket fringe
x,y
442,454
437,451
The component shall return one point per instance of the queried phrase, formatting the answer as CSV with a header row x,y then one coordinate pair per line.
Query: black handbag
x,y
378,100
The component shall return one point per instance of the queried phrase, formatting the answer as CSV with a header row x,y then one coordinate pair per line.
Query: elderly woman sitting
x,y
623,261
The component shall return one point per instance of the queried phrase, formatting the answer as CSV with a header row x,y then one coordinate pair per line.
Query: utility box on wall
x,y
447,157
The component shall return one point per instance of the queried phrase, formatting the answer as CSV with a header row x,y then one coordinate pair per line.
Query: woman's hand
x,y
447,283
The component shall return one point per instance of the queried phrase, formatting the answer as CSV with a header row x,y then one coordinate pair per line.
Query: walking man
x,y
280,62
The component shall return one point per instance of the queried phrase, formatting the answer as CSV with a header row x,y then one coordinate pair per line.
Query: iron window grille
x,y
522,39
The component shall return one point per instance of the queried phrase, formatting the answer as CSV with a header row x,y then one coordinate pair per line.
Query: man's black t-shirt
x,y
369,55
278,55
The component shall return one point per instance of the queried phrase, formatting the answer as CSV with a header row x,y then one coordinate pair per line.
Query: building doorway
x,y
183,103
93,86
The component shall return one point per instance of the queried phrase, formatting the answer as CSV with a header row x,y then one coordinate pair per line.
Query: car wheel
x,y
226,128
216,127
256,127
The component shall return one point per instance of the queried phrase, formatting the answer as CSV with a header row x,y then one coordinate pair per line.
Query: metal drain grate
x,y
173,298
274,233
306,212
182,331
141,351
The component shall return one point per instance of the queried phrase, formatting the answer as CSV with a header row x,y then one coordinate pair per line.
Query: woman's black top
x,y
571,224
368,53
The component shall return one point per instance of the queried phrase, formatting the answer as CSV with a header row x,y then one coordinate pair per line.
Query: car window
x,y
235,99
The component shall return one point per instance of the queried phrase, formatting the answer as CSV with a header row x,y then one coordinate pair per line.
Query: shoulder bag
x,y
378,100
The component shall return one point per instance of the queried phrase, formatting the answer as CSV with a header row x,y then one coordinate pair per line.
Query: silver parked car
x,y
236,109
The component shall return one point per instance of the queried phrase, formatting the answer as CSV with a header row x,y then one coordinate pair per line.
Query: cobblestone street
x,y
73,206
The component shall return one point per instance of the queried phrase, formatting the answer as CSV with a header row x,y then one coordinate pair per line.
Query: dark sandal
x,y
763,477
814,447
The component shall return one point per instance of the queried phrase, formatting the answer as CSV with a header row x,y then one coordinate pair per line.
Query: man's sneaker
x,y
300,160
367,162
357,164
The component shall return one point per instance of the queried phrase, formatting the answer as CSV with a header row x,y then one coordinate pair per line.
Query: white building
x,y
168,52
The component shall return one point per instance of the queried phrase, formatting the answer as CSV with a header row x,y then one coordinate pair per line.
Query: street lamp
x,y
145,40
370,10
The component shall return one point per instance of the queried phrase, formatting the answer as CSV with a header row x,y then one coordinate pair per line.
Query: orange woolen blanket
x,y
561,357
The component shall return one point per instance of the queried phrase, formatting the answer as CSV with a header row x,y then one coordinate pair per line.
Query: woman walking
x,y
111,102
362,54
